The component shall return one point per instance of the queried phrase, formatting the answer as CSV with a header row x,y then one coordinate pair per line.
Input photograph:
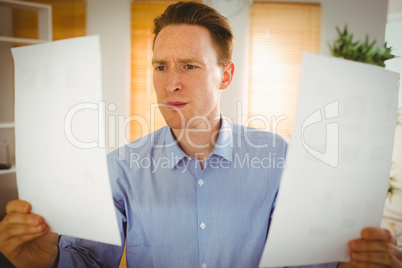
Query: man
x,y
205,206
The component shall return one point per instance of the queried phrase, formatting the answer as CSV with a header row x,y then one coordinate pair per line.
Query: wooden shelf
x,y
8,171
21,41
23,4
44,22
7,125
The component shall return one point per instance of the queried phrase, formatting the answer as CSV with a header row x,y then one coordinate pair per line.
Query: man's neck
x,y
199,141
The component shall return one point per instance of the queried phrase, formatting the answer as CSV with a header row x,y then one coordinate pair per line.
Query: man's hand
x,y
25,238
376,248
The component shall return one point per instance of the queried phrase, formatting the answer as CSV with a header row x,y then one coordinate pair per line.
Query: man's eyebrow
x,y
184,60
158,61
189,60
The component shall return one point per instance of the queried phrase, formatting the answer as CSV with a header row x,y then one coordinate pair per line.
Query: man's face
x,y
187,78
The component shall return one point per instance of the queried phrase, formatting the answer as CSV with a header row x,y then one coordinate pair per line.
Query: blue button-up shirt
x,y
173,213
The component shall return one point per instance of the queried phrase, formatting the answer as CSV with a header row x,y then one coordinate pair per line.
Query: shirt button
x,y
200,182
204,265
202,226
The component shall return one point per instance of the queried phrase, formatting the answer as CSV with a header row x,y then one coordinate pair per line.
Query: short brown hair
x,y
194,13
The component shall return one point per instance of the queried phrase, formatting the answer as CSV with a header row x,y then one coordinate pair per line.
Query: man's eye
x,y
160,68
189,67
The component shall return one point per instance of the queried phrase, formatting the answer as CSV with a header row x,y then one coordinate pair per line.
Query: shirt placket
x,y
201,215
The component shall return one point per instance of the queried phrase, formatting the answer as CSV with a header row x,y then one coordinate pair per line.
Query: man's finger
x,y
20,206
23,218
16,242
12,231
364,245
378,234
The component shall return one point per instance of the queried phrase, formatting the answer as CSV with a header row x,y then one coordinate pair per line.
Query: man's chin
x,y
177,126
173,119
175,123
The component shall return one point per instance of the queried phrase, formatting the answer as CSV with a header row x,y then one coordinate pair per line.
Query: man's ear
x,y
228,71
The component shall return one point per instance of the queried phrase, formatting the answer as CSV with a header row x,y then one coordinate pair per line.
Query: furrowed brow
x,y
157,61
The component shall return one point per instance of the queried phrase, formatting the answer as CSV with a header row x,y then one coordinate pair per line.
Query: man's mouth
x,y
175,104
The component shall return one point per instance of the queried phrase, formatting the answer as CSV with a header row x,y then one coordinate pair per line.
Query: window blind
x,y
280,33
143,97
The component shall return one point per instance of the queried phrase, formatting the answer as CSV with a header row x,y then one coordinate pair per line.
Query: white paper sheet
x,y
338,162
61,167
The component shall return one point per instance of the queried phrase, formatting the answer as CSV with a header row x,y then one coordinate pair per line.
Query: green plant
x,y
392,189
366,51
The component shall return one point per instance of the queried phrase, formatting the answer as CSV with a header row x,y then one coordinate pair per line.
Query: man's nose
x,y
173,82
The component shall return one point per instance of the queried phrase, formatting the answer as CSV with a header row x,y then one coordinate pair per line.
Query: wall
x,y
394,6
394,39
234,101
111,21
362,16
6,73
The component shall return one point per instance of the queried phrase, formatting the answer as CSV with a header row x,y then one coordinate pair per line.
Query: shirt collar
x,y
222,148
173,150
224,143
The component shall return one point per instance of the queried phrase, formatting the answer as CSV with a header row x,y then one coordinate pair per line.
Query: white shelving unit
x,y
6,125
44,22
8,171
8,185
7,39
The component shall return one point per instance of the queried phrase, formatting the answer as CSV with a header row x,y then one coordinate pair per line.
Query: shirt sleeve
x,y
75,252
84,253
322,265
